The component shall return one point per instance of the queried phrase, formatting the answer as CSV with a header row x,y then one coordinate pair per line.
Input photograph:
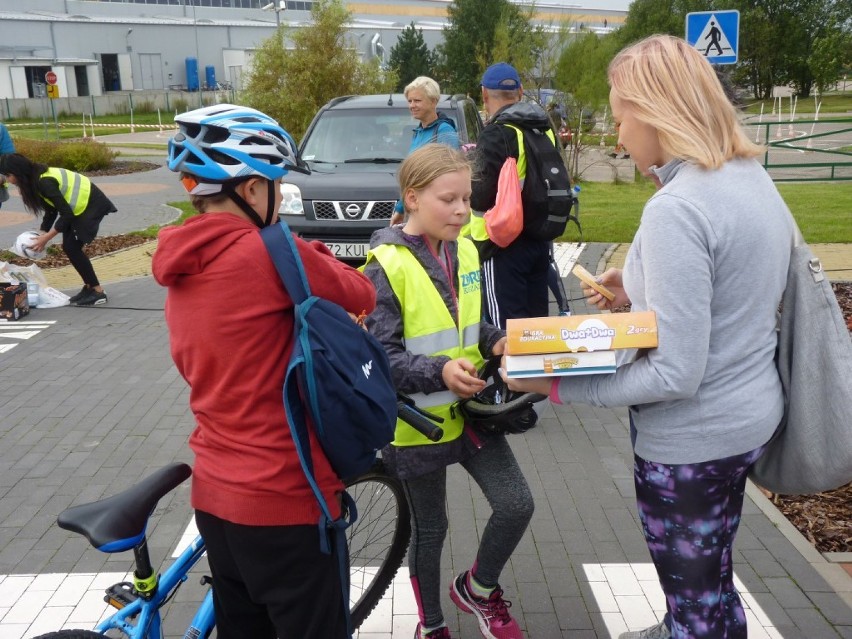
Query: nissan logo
x,y
352,211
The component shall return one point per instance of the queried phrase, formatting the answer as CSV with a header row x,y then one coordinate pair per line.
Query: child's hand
x,y
500,347
460,377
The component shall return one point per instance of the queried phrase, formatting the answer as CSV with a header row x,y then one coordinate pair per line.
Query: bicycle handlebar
x,y
422,421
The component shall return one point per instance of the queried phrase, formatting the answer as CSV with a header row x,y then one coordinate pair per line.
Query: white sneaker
x,y
660,631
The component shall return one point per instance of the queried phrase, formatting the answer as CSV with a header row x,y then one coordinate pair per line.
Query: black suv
x,y
354,147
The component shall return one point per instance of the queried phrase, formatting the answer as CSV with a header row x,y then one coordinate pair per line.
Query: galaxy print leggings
x,y
690,514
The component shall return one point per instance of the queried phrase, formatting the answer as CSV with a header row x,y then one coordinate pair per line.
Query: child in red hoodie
x,y
230,324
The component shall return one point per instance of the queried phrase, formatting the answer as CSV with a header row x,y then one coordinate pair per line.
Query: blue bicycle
x,y
377,544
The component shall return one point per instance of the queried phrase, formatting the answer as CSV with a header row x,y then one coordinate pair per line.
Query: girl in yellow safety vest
x,y
75,205
429,318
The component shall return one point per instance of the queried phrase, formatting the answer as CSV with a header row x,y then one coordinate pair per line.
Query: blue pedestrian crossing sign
x,y
715,35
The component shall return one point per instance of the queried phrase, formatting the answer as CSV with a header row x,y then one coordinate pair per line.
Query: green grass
x,y
72,125
611,212
186,212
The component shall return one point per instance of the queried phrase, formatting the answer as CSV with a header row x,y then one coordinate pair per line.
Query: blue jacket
x,y
442,130
6,144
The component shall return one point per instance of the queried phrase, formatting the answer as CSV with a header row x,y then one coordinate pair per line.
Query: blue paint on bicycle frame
x,y
123,544
141,619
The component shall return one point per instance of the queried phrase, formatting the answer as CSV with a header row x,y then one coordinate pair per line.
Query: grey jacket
x,y
710,258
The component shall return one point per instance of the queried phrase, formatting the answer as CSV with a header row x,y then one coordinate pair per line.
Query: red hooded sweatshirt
x,y
231,330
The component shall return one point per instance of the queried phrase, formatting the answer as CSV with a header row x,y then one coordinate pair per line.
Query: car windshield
x,y
381,135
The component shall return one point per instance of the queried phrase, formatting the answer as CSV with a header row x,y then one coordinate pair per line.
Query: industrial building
x,y
96,47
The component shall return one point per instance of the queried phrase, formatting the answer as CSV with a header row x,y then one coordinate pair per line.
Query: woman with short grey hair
x,y
422,95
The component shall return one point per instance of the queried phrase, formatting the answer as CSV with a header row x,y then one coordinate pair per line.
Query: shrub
x,y
75,155
145,106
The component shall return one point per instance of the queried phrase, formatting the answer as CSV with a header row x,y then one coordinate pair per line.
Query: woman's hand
x,y
540,385
460,376
611,279
499,348
40,243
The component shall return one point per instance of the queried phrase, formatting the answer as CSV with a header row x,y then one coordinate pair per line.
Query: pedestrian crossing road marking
x,y
20,330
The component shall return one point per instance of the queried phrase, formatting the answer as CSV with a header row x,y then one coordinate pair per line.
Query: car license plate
x,y
348,250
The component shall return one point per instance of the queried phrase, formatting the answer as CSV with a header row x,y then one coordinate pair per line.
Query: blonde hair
x,y
426,164
672,87
427,85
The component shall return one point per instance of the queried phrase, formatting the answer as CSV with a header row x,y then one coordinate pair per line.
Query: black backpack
x,y
547,195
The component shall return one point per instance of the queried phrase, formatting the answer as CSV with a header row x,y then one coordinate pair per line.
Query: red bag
x,y
505,220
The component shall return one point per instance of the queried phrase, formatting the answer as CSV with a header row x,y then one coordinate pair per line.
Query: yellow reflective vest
x,y
430,329
476,227
75,188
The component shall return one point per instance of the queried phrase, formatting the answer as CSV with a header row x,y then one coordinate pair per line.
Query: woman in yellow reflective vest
x,y
75,205
429,318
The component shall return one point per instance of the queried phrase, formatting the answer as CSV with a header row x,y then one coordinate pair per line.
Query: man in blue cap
x,y
515,277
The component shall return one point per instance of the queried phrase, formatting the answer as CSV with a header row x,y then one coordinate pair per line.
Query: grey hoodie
x,y
710,258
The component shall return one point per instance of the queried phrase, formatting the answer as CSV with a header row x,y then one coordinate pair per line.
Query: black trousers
x,y
82,264
272,581
516,281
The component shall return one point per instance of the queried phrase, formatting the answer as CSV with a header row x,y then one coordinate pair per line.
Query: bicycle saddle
x,y
118,523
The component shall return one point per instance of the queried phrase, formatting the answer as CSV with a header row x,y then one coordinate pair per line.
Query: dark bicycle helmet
x,y
496,409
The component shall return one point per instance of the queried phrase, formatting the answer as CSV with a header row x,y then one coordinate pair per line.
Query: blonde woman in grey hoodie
x,y
710,258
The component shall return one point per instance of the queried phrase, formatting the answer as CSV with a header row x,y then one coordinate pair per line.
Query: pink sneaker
x,y
438,633
493,616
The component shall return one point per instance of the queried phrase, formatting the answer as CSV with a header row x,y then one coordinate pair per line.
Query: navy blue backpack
x,y
338,378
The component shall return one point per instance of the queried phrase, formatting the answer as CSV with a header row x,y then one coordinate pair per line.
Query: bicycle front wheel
x,y
377,541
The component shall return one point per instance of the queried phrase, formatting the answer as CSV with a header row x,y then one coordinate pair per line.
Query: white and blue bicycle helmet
x,y
217,147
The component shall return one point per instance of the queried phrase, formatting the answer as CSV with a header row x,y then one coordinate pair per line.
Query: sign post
x,y
52,93
715,35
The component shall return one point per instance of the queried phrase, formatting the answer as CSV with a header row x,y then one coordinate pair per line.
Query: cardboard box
x,y
14,303
560,364
579,333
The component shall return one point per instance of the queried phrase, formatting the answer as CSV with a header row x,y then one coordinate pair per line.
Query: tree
x,y
582,67
469,41
410,57
830,55
647,17
292,84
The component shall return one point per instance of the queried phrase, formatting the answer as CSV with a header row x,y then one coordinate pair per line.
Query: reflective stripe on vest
x,y
75,188
429,329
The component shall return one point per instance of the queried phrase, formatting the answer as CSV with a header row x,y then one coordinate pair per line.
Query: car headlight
x,y
292,202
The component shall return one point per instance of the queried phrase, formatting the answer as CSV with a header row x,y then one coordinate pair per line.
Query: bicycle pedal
x,y
120,595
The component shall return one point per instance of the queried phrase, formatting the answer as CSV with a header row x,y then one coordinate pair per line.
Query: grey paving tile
x,y
571,613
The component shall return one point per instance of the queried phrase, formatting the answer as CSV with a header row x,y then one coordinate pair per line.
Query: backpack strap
x,y
282,250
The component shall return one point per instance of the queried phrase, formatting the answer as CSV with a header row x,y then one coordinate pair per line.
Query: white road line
x,y
21,330
566,255
628,597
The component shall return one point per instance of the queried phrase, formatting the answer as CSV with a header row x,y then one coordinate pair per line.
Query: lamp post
x,y
277,7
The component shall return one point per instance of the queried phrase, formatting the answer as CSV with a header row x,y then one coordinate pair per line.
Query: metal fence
x,y
118,103
805,150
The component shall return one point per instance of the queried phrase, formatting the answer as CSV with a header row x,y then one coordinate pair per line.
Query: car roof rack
x,y
338,100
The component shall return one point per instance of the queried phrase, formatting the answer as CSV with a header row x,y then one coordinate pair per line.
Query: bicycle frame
x,y
149,623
